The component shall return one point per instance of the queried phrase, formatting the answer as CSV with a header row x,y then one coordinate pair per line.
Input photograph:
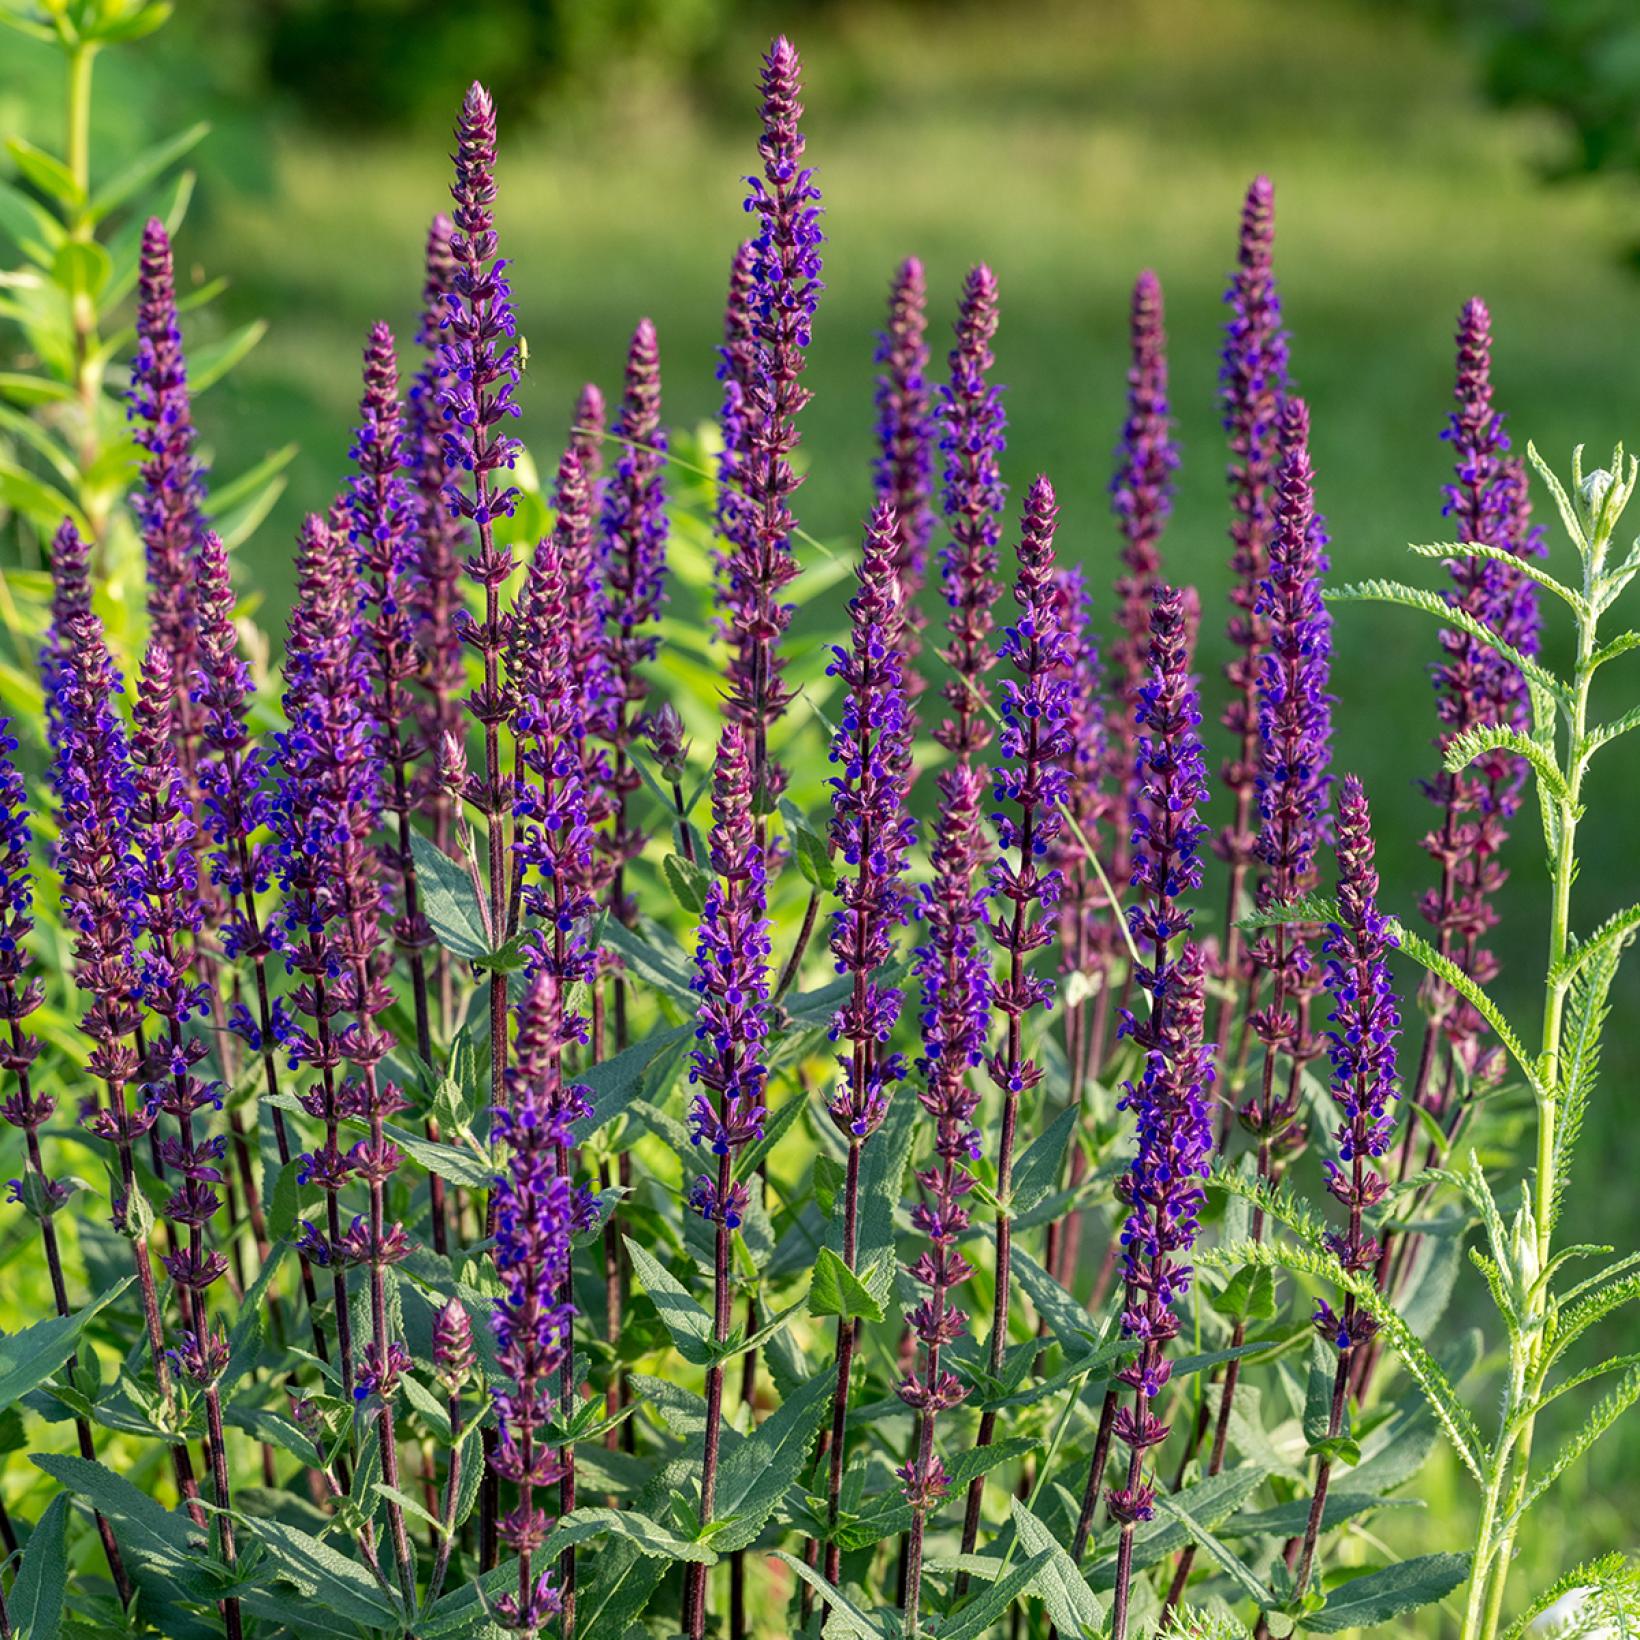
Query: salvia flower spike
x,y
170,501
784,292
972,426
1361,1037
1029,786
728,1072
904,469
1252,388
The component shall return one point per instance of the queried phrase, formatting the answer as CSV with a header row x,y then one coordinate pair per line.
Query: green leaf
x,y
1607,1411
757,1474
32,390
208,365
1524,567
41,503
36,1601
1208,1502
455,1163
1250,1295
246,1337
448,901
46,172
990,1604
29,1357
647,1536
1307,908
1446,970
1040,1169
1615,932
652,961
322,1574
1364,1602
687,881
615,1083
1073,1608
882,1176
1477,741
1069,1322
1430,603
809,848
1225,1559
836,1290
284,1200
847,1621
145,168
689,1325
614,1595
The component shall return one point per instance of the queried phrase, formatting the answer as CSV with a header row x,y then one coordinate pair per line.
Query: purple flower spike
x,y
70,599
1252,387
21,993
537,1211
737,366
168,506
905,442
1363,1028
588,422
1488,503
1142,499
732,980
479,356
1295,735
634,574
784,281
870,829
971,437
435,585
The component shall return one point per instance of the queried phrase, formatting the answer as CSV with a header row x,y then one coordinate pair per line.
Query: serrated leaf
x,y
614,1083
647,1536
688,883
990,1604
836,1290
1072,1607
1039,1170
756,1475
29,1357
689,1325
35,1604
1364,1602
653,962
617,1591
847,1621
448,901
321,1573
1223,1557
1249,1295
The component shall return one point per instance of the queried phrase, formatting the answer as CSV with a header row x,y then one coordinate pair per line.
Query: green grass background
x,y
1069,145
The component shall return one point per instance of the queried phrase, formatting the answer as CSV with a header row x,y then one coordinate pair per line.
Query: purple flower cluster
x,y
1169,1098
904,469
784,293
1295,748
588,423
434,590
553,802
1473,685
737,364
480,358
537,1211
1363,1028
634,577
21,994
972,439
870,829
169,504
732,981
1252,385
1142,498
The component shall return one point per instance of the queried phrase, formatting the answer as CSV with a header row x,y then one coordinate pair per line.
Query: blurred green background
x,y
1067,144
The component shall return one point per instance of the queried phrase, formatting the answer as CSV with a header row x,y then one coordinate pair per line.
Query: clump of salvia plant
x,y
496,1211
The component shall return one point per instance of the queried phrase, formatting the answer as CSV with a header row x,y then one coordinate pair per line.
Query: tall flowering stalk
x,y
1167,832
1295,732
537,1212
972,440
872,832
325,814
1487,502
954,972
1085,932
163,853
1164,1193
729,1108
103,909
21,994
1252,386
435,587
737,364
904,469
785,291
1141,493
634,527
169,502
1029,785
235,809
1363,1028
480,365
588,421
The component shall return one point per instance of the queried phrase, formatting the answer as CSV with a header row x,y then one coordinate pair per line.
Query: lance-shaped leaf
x,y
689,1325
757,1474
1365,1602
29,1357
35,1605
1073,1608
